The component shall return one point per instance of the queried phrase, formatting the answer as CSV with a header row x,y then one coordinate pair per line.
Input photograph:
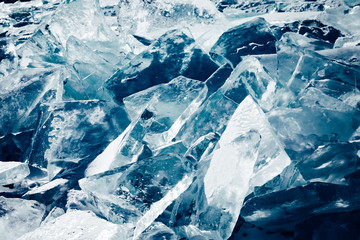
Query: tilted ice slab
x,y
11,172
48,192
248,155
153,112
166,99
22,95
136,194
74,131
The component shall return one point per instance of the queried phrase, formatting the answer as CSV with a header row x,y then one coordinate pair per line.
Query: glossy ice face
x,y
159,119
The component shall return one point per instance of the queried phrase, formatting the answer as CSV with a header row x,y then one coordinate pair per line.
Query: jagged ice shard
x,y
207,119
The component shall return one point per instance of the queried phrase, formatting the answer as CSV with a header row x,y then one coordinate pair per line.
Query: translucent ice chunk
x,y
165,100
331,162
283,209
259,84
12,172
172,55
89,71
21,19
349,41
211,117
21,98
303,128
82,20
227,179
346,55
215,81
19,216
49,192
343,19
248,155
298,67
253,37
136,194
305,42
153,112
80,225
290,177
73,132
212,113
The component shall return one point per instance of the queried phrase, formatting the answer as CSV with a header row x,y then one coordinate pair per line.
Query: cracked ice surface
x,y
209,119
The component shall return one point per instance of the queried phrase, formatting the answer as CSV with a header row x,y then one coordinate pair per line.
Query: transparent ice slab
x,y
81,127
134,195
21,98
49,192
12,172
246,155
153,113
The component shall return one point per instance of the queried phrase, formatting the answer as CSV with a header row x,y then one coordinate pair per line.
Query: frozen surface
x,y
75,225
19,216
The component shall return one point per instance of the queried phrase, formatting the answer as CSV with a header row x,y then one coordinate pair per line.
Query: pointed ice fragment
x,y
215,81
153,112
290,177
227,179
260,85
49,192
248,155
